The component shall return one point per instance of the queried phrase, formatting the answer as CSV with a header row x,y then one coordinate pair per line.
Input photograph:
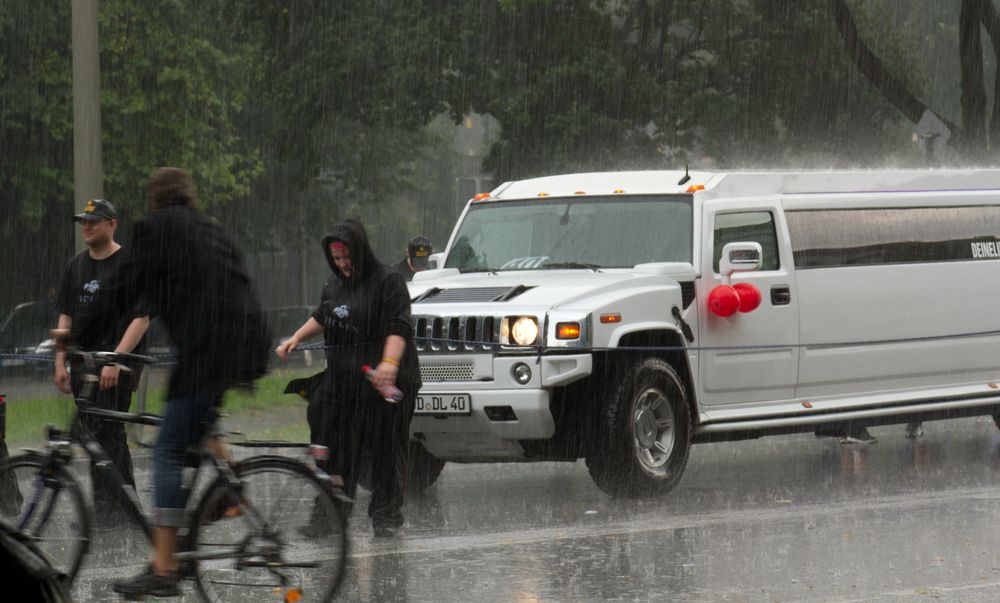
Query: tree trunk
x,y
892,89
973,84
991,22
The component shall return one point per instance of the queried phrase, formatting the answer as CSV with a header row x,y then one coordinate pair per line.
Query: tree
x,y
976,135
171,85
582,85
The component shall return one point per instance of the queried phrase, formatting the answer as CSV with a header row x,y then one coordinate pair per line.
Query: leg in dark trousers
x,y
389,446
111,436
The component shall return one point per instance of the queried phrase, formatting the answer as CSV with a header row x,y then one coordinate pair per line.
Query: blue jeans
x,y
188,418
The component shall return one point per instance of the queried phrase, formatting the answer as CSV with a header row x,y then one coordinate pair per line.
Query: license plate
x,y
444,404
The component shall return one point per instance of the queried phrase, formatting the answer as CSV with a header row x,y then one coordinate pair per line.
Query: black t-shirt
x,y
403,268
91,294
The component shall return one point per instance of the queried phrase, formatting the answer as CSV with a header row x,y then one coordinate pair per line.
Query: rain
x,y
433,118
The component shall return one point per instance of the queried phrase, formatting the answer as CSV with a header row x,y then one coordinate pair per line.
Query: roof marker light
x,y
481,196
543,194
618,190
694,188
580,193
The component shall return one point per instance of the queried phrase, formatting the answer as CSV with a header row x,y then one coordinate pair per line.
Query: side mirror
x,y
435,261
740,257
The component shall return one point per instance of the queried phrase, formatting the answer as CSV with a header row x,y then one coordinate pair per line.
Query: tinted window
x,y
858,237
747,227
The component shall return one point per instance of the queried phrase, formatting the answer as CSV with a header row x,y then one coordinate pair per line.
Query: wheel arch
x,y
676,356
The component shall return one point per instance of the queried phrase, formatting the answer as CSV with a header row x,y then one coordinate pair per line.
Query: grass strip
x,y
26,418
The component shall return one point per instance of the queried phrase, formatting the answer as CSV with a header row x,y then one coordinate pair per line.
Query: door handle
x,y
781,295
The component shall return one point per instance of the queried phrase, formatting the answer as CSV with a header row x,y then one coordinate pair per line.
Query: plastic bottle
x,y
391,393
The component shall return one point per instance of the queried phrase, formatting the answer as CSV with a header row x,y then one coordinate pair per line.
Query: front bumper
x,y
526,415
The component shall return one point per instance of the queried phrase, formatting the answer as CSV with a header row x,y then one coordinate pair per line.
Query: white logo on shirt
x,y
342,312
92,286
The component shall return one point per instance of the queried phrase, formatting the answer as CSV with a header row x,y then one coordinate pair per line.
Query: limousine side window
x,y
754,226
873,236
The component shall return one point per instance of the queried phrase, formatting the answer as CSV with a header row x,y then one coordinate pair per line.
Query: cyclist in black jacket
x,y
196,282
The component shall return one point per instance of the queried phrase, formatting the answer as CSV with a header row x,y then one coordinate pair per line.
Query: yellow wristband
x,y
391,361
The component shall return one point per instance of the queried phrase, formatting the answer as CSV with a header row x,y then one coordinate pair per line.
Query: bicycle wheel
x,y
59,523
295,551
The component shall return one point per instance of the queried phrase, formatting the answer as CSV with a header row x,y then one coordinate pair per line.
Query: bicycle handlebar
x,y
106,358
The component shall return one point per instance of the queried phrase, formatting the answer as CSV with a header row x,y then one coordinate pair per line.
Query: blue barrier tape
x,y
171,358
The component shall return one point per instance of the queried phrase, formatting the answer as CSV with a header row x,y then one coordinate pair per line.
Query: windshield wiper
x,y
470,270
594,267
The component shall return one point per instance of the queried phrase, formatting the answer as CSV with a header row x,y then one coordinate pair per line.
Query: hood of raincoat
x,y
363,261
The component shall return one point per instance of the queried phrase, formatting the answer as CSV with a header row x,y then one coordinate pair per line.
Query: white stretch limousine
x,y
620,317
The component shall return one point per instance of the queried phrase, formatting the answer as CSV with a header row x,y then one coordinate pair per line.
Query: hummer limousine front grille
x,y
452,371
456,333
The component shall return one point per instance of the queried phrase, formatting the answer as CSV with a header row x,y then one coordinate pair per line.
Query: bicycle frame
x,y
262,542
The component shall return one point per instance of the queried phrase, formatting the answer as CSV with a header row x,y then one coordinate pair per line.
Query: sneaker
x,y
385,531
857,435
147,583
914,430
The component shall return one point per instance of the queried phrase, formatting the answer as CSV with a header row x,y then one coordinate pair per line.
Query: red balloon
x,y
723,300
749,296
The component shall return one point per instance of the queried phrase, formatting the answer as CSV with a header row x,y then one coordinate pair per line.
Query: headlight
x,y
518,330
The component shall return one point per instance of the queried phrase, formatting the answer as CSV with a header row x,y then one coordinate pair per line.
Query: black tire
x,y
422,469
645,432
308,526
59,526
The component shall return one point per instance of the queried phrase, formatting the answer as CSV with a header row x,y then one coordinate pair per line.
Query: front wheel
x,y
646,432
47,506
288,536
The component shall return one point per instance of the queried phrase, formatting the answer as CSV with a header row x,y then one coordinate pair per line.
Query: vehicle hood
x,y
526,290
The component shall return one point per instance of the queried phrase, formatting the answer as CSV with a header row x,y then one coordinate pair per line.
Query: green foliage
x,y
581,85
173,84
293,115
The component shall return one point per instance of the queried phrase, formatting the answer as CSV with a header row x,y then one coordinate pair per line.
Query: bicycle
x,y
266,524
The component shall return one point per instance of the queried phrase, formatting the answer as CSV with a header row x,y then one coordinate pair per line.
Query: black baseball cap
x,y
419,250
97,209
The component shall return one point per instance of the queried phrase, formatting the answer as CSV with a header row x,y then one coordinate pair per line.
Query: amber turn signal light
x,y
568,330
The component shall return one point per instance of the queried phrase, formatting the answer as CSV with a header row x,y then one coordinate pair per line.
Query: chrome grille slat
x,y
456,333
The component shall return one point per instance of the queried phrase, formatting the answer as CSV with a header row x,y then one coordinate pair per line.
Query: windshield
x,y
589,232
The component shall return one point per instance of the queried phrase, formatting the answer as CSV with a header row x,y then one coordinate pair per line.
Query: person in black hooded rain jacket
x,y
364,316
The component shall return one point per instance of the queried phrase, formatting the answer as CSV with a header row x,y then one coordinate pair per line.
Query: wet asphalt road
x,y
791,518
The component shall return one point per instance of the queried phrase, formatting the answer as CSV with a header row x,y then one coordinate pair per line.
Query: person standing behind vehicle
x,y
418,253
90,305
364,316
197,283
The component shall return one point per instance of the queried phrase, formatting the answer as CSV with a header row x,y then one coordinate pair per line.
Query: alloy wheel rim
x,y
653,428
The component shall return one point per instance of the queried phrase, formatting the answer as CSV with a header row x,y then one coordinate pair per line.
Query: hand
x,y
109,376
284,348
385,374
62,379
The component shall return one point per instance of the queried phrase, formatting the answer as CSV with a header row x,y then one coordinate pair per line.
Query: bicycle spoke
x,y
304,558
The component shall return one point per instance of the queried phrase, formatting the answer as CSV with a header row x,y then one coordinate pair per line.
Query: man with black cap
x,y
90,305
417,253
